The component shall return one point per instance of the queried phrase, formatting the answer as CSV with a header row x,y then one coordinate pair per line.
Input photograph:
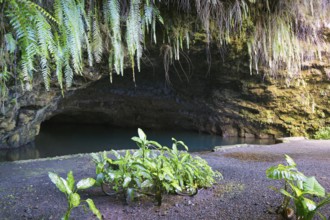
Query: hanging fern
x,y
134,36
117,56
60,37
97,42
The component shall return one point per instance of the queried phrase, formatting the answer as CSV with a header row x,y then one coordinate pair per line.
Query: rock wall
x,y
226,100
20,122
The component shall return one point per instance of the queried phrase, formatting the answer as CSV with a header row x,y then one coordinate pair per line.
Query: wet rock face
x,y
227,101
24,113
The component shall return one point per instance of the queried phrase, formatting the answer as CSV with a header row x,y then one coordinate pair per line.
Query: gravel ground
x,y
27,193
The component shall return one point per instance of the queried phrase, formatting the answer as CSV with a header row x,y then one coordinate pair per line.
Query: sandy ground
x,y
27,193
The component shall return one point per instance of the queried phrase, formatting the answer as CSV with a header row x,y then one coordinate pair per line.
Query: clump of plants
x,y
68,187
302,196
323,133
153,170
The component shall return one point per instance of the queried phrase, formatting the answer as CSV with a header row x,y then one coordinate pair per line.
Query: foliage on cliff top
x,y
57,38
323,133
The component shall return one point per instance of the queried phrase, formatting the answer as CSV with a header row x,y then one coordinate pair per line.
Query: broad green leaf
x,y
111,175
146,184
167,187
68,189
74,199
137,140
127,181
174,149
168,171
127,156
137,182
96,157
185,157
284,172
142,135
85,183
130,194
295,189
99,168
70,180
176,186
312,186
166,149
57,181
139,166
119,162
108,160
310,204
99,179
105,155
286,193
300,184
93,208
181,143
150,164
138,153
145,174
190,174
290,161
156,144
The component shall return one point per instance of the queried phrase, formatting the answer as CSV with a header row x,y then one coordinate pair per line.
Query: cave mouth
x,y
71,133
83,131
67,134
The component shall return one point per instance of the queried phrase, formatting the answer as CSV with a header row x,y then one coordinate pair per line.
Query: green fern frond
x,y
134,35
68,75
279,35
97,42
40,9
58,11
59,66
114,22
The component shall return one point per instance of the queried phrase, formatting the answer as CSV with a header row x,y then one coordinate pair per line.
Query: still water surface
x,y
64,139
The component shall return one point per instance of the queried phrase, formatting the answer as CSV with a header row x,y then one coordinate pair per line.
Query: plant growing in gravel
x,y
153,172
323,133
299,189
67,186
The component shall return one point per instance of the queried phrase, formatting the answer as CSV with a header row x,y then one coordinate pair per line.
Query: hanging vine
x,y
57,38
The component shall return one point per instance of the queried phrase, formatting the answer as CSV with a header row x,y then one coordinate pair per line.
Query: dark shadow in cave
x,y
66,134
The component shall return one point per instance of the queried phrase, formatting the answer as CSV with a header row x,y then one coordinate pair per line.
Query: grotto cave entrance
x,y
84,132
105,116
71,133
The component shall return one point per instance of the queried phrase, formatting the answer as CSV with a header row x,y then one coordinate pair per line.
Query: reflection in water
x,y
63,139
23,153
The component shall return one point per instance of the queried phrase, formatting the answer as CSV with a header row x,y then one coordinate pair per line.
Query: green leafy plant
x,y
323,133
68,187
153,169
299,189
